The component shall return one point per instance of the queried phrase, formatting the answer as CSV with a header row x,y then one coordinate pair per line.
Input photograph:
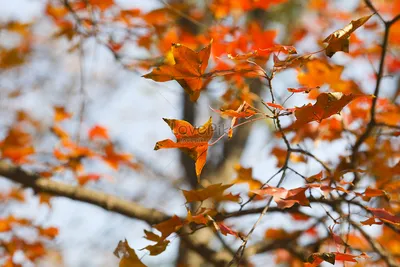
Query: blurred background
x,y
90,63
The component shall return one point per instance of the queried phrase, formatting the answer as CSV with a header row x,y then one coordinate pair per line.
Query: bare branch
x,y
100,199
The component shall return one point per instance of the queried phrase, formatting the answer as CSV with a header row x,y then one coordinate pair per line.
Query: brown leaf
x,y
340,39
128,255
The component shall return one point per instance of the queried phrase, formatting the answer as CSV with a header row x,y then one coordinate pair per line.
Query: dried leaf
x,y
340,39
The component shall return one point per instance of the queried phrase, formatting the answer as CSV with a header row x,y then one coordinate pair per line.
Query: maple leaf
x,y
327,105
113,159
128,255
169,226
215,191
245,175
285,198
243,111
187,69
340,39
190,140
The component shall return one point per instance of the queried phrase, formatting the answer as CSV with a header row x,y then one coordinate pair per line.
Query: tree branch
x,y
100,199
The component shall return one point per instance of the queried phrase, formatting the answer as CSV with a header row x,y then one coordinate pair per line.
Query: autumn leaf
x,y
157,248
316,177
101,4
245,175
305,90
285,198
169,226
243,111
17,145
215,191
340,39
371,221
278,106
59,132
187,69
83,179
225,230
316,258
327,105
385,216
128,255
190,140
98,131
50,232
373,192
114,159
61,114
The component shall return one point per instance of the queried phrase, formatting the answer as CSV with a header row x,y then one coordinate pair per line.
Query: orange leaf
x,y
302,89
17,145
128,255
188,69
371,221
245,175
83,179
274,105
102,4
286,198
50,232
385,216
60,114
169,226
215,191
243,111
225,230
98,132
113,158
192,141
59,132
327,105
315,177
